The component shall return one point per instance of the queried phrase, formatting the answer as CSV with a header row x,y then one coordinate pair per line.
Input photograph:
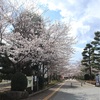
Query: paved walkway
x,y
77,92
70,90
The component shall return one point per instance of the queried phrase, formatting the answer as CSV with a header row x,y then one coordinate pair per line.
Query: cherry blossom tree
x,y
33,43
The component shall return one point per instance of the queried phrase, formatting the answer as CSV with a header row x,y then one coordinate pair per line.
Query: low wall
x,y
14,95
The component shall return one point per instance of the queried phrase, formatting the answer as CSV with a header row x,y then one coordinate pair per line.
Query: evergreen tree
x,y
96,47
6,65
87,57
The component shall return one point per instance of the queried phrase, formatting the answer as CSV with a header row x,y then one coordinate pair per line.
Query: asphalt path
x,y
74,90
69,90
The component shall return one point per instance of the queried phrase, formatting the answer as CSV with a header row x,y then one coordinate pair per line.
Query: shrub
x,y
92,76
41,82
80,77
86,76
18,82
28,71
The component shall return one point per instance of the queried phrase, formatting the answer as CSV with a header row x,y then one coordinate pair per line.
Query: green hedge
x,y
88,77
18,82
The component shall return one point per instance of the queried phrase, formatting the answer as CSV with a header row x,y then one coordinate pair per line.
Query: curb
x,y
89,84
30,95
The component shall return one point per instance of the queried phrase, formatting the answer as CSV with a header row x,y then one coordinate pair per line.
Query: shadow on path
x,y
66,96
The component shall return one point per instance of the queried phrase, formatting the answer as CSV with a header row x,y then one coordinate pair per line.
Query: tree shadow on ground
x,y
62,94
68,92
66,96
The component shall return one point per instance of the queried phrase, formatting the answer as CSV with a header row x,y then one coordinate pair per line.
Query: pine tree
x,y
96,47
87,55
6,65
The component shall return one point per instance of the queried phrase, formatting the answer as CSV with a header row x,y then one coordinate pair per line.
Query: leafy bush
x,y
92,76
86,76
7,76
18,82
41,82
28,71
79,77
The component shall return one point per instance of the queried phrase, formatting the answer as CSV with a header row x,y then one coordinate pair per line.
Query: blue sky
x,y
83,15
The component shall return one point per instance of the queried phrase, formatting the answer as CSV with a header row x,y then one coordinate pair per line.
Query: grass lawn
x,y
53,82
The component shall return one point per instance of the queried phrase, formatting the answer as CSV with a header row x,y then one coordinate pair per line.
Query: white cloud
x,y
75,11
83,42
93,9
78,48
78,26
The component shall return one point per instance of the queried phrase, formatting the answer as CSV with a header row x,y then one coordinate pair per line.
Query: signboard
x,y
30,82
